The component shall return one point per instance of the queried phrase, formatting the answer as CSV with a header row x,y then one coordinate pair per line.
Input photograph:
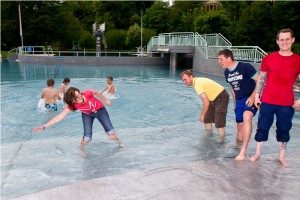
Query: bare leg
x,y
208,129
221,132
81,148
282,148
258,152
239,136
247,130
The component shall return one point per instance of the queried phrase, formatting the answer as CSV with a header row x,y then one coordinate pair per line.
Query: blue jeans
x,y
284,117
88,119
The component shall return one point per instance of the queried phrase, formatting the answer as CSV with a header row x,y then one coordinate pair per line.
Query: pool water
x,y
155,115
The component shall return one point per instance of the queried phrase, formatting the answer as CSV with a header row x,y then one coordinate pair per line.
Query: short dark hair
x,y
50,82
110,78
66,80
187,72
226,53
285,30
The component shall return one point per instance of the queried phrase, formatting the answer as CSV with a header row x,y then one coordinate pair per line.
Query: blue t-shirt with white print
x,y
241,79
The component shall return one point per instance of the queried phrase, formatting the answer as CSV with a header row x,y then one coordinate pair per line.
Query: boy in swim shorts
x,y
50,94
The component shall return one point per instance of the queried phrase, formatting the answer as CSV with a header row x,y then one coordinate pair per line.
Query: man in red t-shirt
x,y
275,95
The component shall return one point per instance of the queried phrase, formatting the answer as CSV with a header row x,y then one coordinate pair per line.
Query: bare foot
x,y
284,162
240,157
82,151
83,142
254,158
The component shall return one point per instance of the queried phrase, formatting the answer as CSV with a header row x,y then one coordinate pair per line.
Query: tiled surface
x,y
222,178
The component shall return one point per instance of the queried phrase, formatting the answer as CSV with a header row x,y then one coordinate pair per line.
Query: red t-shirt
x,y
92,103
282,72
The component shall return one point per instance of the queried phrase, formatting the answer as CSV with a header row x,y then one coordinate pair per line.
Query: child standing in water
x,y
110,88
50,95
64,86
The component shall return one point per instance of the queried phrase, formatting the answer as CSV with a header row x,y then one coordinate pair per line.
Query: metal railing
x,y
209,44
241,53
201,44
84,53
216,39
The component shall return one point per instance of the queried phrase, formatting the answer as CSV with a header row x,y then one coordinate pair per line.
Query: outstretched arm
x,y
107,102
260,87
52,121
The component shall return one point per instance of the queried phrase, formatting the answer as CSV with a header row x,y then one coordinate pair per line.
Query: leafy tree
x,y
254,25
284,14
133,38
116,39
212,22
10,34
156,17
182,15
87,40
147,35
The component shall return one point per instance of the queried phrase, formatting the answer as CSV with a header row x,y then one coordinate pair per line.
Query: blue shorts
x,y
284,116
50,106
241,107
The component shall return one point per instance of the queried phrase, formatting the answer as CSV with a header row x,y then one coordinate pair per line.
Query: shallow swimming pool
x,y
154,114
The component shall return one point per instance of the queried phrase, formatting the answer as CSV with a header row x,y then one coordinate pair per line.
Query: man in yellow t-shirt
x,y
215,101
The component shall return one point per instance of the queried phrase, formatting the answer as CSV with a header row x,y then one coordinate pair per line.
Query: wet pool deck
x,y
221,178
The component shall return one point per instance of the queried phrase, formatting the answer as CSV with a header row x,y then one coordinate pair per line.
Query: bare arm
x,y
107,102
260,87
205,101
251,100
54,120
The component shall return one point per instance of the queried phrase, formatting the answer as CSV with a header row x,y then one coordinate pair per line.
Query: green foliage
x,y
59,23
296,48
156,17
87,40
133,38
212,22
147,35
116,39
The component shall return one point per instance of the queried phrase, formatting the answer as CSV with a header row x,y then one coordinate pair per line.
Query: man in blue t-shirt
x,y
242,78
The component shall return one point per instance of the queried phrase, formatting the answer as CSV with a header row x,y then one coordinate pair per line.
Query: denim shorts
x,y
284,117
241,107
103,118
217,110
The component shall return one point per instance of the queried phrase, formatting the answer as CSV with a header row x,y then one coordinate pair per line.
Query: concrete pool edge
x,y
220,178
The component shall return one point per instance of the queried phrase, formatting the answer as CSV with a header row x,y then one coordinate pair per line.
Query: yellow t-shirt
x,y
210,87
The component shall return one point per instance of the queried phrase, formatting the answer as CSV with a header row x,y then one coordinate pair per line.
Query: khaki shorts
x,y
217,110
